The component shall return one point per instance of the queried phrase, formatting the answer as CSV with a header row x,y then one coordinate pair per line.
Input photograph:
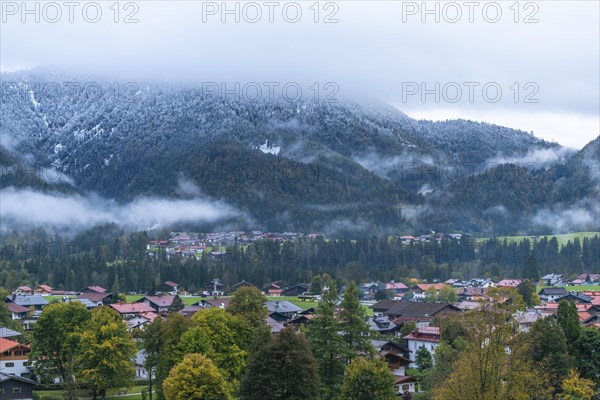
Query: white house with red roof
x,y
427,337
130,310
511,283
14,358
158,303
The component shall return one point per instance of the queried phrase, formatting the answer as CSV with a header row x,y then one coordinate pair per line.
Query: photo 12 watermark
x,y
453,12
272,91
252,12
469,92
53,12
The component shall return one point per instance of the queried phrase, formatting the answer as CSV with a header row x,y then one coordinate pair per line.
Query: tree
x,y
54,338
326,343
447,294
382,295
105,352
423,359
152,343
588,356
177,304
530,268
568,319
368,380
248,303
265,378
171,330
5,315
577,388
527,290
196,378
353,324
548,346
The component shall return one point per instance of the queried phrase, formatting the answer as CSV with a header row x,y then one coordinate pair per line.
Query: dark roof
x,y
420,309
387,304
28,300
94,296
6,377
282,306
576,296
242,284
554,291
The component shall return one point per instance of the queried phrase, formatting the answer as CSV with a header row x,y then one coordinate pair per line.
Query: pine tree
x,y
353,324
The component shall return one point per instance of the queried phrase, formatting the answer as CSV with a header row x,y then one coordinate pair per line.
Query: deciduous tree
x,y
196,378
284,369
368,380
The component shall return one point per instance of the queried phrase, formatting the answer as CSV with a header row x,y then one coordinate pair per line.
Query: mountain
x,y
340,167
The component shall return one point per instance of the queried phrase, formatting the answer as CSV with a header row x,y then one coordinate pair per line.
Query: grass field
x,y
132,393
582,288
562,238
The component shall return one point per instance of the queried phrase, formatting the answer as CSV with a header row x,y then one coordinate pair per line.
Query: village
x,y
402,317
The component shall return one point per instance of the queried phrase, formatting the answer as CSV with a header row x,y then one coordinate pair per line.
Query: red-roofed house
x,y
43,290
94,289
129,310
98,299
428,337
158,303
168,287
18,311
396,287
513,283
420,289
14,358
23,290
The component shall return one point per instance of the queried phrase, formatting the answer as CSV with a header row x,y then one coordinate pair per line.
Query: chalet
x,y
160,304
273,289
241,285
552,280
214,303
385,305
8,333
427,337
588,278
140,320
23,291
33,302
406,384
169,287
396,287
17,311
481,283
15,387
381,325
527,318
420,289
130,310
511,283
389,346
94,289
300,320
471,293
43,290
420,313
14,358
296,290
551,294
576,297
214,288
96,298
284,307
396,363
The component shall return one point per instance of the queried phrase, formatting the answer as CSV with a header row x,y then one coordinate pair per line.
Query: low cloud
x,y
581,216
536,158
383,166
28,208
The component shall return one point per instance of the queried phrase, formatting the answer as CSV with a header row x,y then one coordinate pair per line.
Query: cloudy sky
x,y
528,65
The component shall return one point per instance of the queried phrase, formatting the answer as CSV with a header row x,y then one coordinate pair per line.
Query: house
x,y
94,289
382,325
273,289
33,302
300,320
87,303
18,312
286,308
421,313
14,358
160,304
169,287
274,325
420,290
296,290
384,305
587,279
389,346
576,297
8,333
471,293
406,384
15,387
96,298
396,363
141,320
511,283
43,290
481,283
552,280
130,310
551,294
140,365
214,288
211,303
427,337
396,287
190,310
241,285
23,291
527,318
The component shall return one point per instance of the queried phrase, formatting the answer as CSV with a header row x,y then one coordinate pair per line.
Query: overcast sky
x,y
543,56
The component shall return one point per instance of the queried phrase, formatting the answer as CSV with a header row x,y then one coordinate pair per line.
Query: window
x,y
18,352
404,387
10,365
17,389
